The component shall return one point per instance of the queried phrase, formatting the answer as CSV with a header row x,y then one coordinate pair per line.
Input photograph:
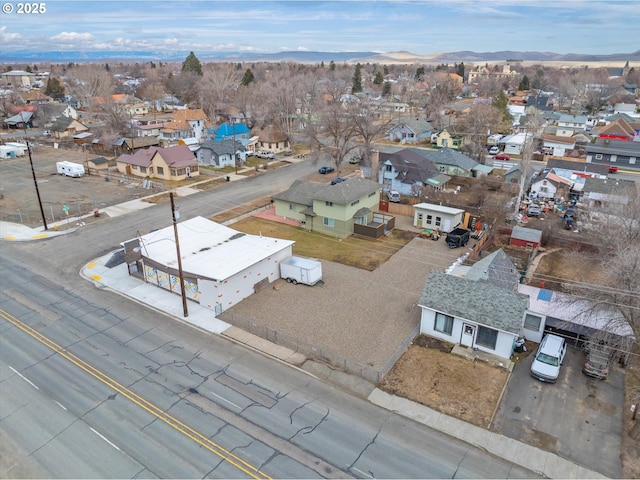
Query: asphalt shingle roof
x,y
480,302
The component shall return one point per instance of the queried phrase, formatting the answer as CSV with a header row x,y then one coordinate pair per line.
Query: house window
x,y
388,168
292,207
438,221
632,160
429,219
142,169
328,222
329,204
532,322
160,171
355,203
598,156
487,337
613,158
372,194
420,217
444,323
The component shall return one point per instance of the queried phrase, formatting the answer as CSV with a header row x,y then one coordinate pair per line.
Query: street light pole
x,y
181,276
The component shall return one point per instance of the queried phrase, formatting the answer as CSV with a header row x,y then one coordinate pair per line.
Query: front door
x,y
468,334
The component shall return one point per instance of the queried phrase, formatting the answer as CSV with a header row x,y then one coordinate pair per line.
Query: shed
x,y
429,215
526,237
99,163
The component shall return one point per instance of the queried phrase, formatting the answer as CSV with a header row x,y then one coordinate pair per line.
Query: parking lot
x,y
577,418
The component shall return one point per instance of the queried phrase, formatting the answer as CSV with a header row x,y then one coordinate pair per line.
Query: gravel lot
x,y
359,315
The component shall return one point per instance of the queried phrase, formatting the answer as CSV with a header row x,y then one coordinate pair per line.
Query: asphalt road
x,y
134,393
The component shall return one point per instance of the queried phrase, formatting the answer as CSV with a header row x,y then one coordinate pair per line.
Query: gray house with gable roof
x,y
334,209
473,313
451,162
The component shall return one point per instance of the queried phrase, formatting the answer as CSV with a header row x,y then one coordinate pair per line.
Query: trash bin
x,y
228,178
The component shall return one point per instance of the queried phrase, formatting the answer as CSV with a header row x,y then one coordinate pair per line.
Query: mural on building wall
x,y
150,274
191,290
163,280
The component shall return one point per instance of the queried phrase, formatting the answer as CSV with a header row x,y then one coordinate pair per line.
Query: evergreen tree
x,y
386,89
192,64
419,73
322,64
247,78
385,69
524,83
55,88
238,66
332,65
379,78
356,83
500,101
460,69
35,67
28,69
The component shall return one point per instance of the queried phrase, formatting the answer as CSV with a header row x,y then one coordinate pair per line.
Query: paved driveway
x,y
577,418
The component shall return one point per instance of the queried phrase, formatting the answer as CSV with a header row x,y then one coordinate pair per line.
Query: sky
x,y
419,27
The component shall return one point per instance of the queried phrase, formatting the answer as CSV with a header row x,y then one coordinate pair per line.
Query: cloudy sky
x,y
420,27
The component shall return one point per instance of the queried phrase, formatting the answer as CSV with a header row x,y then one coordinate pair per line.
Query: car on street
x,y
613,169
337,180
494,150
502,156
325,170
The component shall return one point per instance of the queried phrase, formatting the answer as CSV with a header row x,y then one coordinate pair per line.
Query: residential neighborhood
x,y
474,208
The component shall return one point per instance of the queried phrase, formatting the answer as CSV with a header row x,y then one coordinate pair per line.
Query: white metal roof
x,y
571,309
438,208
209,249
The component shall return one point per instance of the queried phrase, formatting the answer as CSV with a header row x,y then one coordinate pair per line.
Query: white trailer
x,y
70,169
21,149
301,270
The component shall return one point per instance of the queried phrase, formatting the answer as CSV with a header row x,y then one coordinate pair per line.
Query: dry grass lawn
x,y
452,385
352,251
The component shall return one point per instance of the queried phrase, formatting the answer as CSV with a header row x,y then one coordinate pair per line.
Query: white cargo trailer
x,y
70,169
301,270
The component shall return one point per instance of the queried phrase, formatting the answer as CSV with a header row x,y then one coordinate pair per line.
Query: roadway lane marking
x,y
104,438
24,378
61,406
224,399
146,405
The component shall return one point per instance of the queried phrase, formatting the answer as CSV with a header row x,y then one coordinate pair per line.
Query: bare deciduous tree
x,y
90,83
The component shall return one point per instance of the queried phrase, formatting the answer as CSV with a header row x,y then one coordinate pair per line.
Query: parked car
x,y
337,180
534,210
546,364
502,156
266,154
393,196
325,170
597,364
494,150
354,160
613,169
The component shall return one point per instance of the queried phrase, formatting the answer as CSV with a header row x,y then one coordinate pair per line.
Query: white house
x,y
430,215
514,144
221,266
475,314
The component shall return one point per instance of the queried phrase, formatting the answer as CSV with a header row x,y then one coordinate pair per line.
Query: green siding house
x,y
330,209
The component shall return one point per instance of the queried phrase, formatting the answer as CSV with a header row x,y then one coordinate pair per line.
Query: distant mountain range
x,y
314,57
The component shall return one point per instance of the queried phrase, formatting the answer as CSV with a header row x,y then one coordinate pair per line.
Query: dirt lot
x,y
428,374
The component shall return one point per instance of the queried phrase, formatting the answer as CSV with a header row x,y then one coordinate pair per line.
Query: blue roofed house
x,y
411,130
237,131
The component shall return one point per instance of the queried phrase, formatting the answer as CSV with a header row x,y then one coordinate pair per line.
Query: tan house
x,y
171,163
65,127
273,139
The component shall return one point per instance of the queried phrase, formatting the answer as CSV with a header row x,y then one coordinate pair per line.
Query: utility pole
x,y
180,274
33,173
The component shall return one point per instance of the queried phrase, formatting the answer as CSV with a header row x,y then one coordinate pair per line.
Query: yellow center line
x,y
173,422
